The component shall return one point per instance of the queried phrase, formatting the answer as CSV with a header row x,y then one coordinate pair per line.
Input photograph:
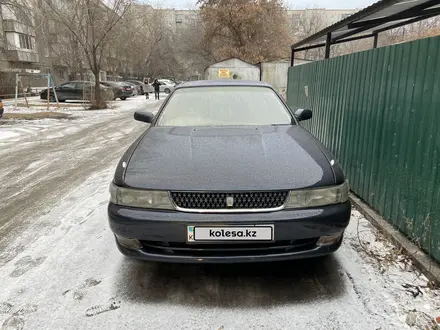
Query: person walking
x,y
156,85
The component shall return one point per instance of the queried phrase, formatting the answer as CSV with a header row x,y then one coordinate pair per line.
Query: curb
x,y
428,266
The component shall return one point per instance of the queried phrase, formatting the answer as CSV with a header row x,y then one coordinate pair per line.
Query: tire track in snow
x,y
67,161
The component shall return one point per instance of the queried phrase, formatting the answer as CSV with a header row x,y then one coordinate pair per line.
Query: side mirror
x,y
145,116
303,114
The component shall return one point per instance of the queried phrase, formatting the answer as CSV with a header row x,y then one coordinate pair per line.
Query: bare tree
x,y
63,47
423,29
194,54
253,30
91,22
145,43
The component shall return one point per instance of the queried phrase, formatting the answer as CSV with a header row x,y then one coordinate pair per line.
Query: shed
x,y
232,68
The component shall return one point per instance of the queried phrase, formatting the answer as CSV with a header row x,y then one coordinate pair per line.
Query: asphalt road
x,y
60,269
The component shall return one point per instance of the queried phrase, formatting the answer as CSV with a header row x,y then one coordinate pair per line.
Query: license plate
x,y
233,233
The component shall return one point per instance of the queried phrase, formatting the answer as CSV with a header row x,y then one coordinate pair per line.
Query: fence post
x,y
16,91
328,42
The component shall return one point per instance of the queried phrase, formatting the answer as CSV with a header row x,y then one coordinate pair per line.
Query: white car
x,y
166,85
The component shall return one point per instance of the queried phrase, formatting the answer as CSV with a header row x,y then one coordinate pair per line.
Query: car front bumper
x,y
162,234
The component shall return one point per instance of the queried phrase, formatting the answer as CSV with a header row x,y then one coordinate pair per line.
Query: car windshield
x,y
224,106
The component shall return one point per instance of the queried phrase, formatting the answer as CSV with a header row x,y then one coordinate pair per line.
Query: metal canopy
x,y
381,16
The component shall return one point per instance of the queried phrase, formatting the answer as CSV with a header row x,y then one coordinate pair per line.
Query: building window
x,y
296,20
25,41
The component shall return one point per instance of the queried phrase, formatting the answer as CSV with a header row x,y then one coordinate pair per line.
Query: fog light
x,y
329,240
129,243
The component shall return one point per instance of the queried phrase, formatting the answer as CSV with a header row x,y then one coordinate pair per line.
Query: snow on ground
x,y
17,130
60,268
73,277
403,286
8,134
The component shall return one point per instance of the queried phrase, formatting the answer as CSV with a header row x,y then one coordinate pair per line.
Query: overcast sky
x,y
294,4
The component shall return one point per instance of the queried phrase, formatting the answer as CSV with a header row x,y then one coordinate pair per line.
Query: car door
x,y
162,86
65,91
80,90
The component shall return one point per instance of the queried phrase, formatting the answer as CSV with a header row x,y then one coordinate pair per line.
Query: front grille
x,y
239,200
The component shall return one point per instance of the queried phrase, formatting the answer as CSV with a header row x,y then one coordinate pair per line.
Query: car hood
x,y
228,158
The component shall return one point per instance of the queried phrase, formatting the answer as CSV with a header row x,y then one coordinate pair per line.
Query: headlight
x,y
317,197
148,199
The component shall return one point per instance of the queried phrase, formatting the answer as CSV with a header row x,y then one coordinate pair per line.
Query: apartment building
x,y
307,21
299,20
18,48
44,49
301,23
25,49
31,43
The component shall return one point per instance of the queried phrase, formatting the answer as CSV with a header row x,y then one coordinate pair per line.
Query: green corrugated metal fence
x,y
379,112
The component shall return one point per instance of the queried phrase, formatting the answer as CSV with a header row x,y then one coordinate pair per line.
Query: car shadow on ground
x,y
245,285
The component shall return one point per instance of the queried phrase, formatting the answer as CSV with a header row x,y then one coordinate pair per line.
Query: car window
x,y
70,85
224,106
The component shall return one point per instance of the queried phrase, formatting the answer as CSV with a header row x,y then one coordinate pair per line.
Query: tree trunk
x,y
98,101
81,70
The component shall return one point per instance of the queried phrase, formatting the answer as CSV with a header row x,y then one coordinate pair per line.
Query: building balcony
x,y
10,25
22,56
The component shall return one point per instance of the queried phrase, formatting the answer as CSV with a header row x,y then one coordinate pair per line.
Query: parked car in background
x,y
137,90
225,173
143,86
128,86
75,90
120,91
172,79
1,107
166,86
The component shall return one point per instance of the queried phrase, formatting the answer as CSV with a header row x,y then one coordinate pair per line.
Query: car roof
x,y
213,83
77,81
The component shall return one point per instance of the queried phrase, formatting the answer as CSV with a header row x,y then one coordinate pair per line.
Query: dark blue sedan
x,y
224,174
